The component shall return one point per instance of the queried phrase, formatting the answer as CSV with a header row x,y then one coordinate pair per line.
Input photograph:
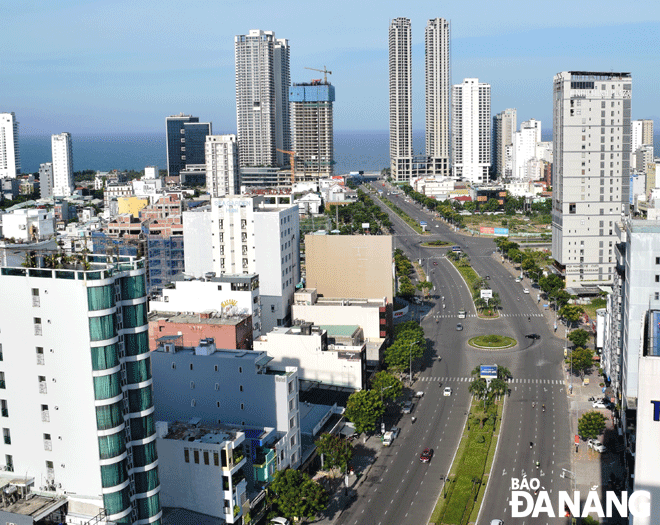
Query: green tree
x,y
386,385
582,359
399,355
571,312
336,450
491,205
551,283
406,288
578,337
364,408
503,373
409,330
591,425
296,495
424,287
498,388
479,389
588,520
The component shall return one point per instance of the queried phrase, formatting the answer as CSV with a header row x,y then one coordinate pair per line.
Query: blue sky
x,y
123,66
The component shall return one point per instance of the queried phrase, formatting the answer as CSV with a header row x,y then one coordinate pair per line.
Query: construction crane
x,y
292,154
324,71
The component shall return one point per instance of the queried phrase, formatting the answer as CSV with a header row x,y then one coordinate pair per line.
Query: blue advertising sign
x,y
501,231
422,223
488,371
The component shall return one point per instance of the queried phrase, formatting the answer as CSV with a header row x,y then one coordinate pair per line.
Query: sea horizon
x,y
366,150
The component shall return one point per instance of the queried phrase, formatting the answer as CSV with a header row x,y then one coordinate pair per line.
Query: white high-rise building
x,y
244,235
504,126
471,131
63,185
76,388
262,105
641,135
10,158
46,180
400,66
438,90
590,172
222,173
524,149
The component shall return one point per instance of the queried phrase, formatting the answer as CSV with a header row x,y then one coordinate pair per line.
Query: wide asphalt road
x,y
400,489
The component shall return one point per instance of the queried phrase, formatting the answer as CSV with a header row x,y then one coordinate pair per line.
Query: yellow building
x,y
131,205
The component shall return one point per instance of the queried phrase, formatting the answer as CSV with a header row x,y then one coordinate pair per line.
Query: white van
x,y
462,314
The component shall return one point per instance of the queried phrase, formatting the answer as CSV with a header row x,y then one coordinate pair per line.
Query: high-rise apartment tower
x,y
222,173
76,387
10,158
63,185
590,172
262,103
186,137
471,130
504,126
400,65
312,129
438,90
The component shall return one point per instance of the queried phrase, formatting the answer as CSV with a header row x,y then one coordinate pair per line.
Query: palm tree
x,y
479,389
480,303
498,388
503,373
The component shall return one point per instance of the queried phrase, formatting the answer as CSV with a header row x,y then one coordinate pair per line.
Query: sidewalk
x,y
340,498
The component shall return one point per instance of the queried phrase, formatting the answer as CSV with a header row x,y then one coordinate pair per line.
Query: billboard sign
x,y
486,294
488,371
365,225
487,230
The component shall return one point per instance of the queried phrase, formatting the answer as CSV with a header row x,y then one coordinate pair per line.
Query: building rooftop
x,y
192,431
340,330
210,318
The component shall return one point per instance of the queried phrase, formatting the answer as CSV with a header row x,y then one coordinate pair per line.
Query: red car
x,y
426,456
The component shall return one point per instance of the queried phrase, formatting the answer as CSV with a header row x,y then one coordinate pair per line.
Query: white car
x,y
419,393
596,445
518,279
279,521
598,404
525,290
447,391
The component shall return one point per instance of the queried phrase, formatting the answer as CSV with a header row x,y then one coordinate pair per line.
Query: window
x,y
206,457
240,369
191,366
292,422
657,278
242,406
241,388
3,408
290,387
572,208
196,456
186,455
215,368
216,459
173,366
6,434
217,386
192,403
657,260
192,385
217,404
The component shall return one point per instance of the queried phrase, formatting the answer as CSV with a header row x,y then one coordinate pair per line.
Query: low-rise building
x,y
28,224
231,387
374,316
202,468
337,359
227,295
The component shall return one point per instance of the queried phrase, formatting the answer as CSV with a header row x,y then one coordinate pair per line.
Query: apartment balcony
x,y
2,383
5,412
43,388
36,300
50,474
7,440
45,416
37,329
48,444
40,359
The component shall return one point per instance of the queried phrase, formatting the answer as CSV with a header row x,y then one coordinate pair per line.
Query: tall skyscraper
x,y
186,137
312,129
438,89
63,184
400,65
222,173
10,158
262,104
504,126
590,172
471,130
85,430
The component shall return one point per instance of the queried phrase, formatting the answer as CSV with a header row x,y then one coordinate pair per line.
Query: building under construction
x,y
310,105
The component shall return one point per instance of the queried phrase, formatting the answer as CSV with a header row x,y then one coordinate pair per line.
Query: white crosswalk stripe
x,y
515,380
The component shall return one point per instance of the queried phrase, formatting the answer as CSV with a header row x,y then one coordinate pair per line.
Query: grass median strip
x,y
459,501
407,218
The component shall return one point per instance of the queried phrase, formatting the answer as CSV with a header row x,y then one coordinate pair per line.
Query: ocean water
x,y
367,150
354,151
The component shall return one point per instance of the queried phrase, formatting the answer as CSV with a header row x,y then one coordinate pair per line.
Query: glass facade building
x,y
186,136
